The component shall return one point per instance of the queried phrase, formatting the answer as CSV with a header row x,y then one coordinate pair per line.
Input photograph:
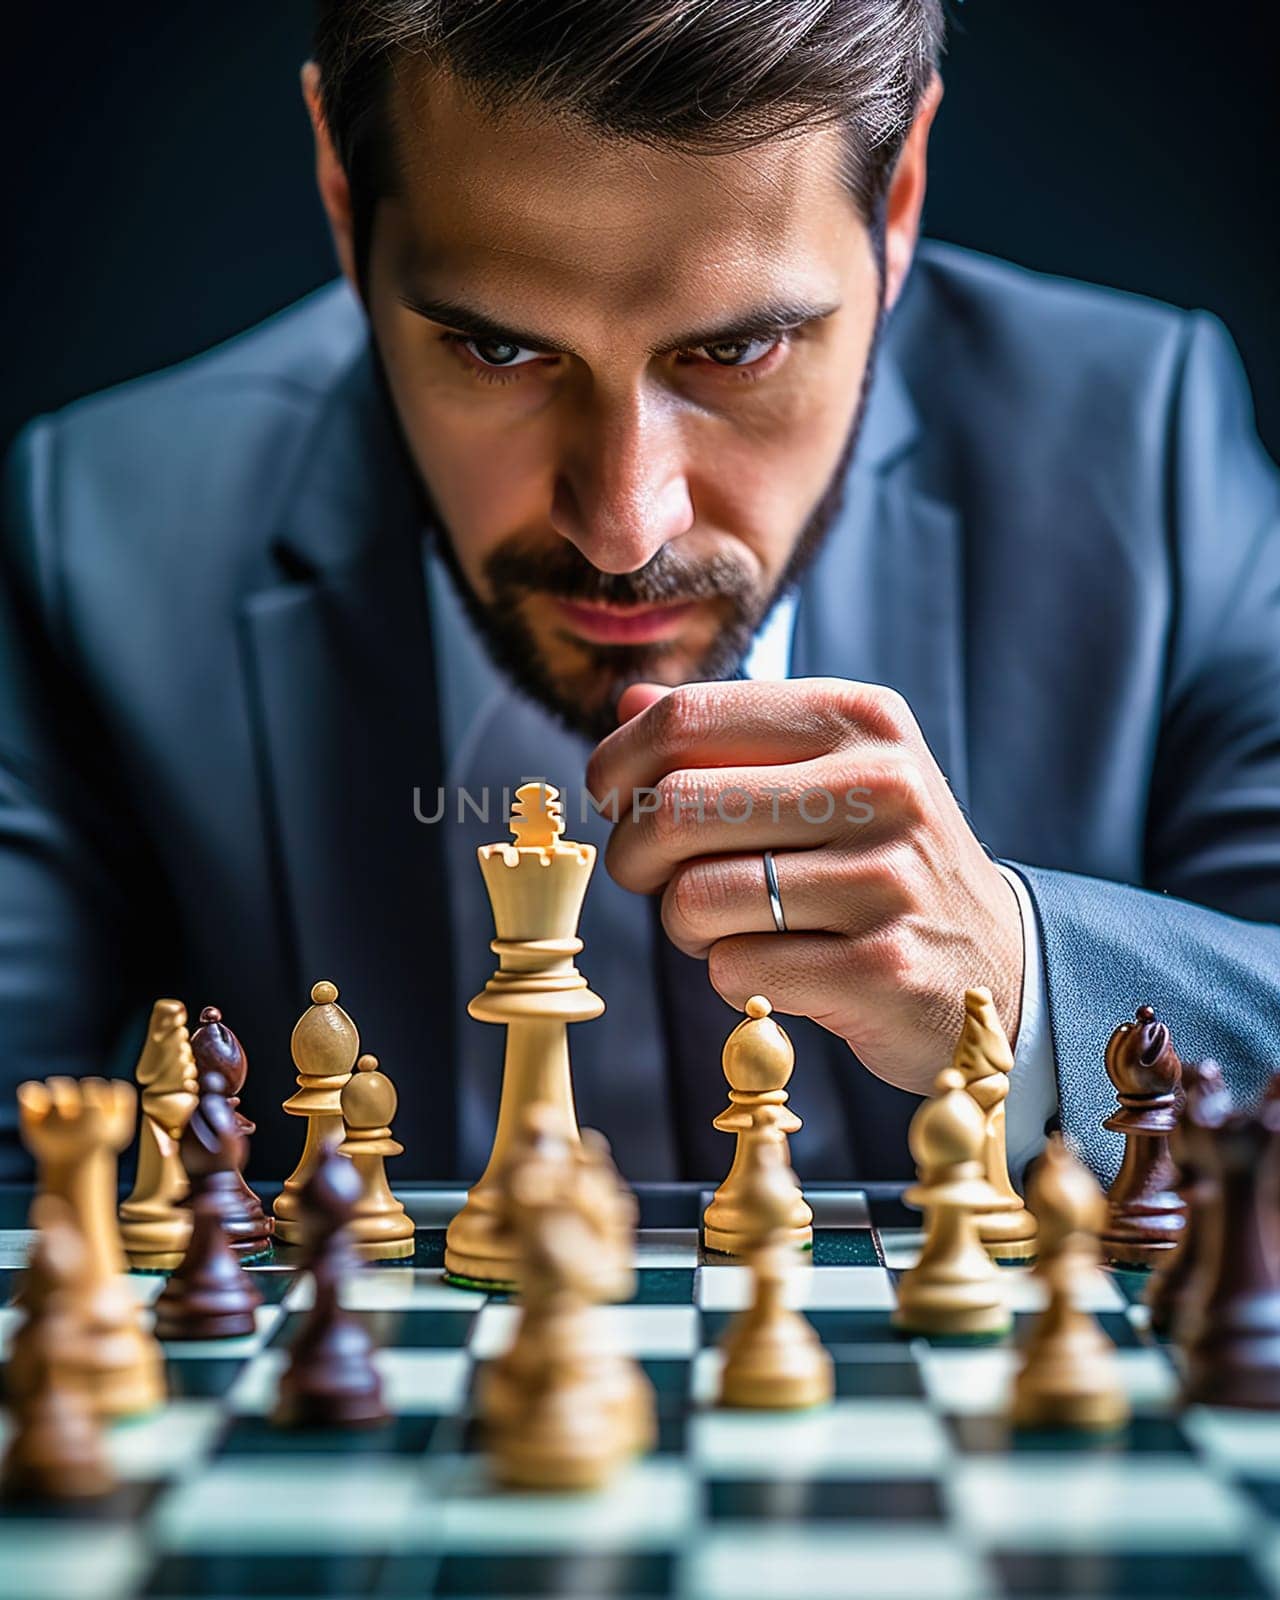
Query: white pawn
x,y
954,1289
380,1228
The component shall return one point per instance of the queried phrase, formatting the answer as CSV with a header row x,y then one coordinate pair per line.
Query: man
x,y
922,615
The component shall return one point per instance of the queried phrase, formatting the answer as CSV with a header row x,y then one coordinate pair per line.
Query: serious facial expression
x,y
627,375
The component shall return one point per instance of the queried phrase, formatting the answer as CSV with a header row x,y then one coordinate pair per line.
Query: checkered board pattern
x,y
907,1486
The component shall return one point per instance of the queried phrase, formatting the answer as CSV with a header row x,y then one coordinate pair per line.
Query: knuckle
x,y
691,901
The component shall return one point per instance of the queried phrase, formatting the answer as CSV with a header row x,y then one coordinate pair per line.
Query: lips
x,y
604,624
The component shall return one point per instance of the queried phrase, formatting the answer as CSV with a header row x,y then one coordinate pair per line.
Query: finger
x,y
799,973
638,697
744,724
734,811
820,891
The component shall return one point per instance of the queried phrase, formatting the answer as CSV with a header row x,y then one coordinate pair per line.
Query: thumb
x,y
638,697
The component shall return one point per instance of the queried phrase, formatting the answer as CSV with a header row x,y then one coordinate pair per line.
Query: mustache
x,y
563,571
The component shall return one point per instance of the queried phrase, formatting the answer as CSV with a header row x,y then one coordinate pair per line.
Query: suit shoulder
x,y
160,456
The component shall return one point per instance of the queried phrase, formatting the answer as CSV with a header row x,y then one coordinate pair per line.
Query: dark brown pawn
x,y
56,1450
210,1296
1233,1346
1145,1212
1178,1280
331,1380
216,1049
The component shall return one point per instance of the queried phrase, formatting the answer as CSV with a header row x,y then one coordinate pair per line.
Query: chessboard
x,y
908,1486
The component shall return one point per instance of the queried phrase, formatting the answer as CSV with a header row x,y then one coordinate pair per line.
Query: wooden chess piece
x,y
536,887
1068,1377
210,1295
757,1061
380,1227
954,1290
1178,1283
75,1130
324,1045
772,1357
561,1408
1231,1344
216,1049
985,1061
1145,1213
155,1225
55,1450
331,1380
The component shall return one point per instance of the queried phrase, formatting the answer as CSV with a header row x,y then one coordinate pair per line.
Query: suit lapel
x,y
343,702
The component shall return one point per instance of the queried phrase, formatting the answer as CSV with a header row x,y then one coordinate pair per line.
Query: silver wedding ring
x,y
775,898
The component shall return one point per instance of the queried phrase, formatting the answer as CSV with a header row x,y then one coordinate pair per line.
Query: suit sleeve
x,y
1200,939
65,923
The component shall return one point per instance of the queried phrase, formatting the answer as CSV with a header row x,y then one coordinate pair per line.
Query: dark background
x,y
162,197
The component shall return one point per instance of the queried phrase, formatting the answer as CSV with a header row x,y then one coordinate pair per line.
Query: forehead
x,y
492,199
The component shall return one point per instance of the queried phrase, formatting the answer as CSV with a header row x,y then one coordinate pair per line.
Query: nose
x,y
621,492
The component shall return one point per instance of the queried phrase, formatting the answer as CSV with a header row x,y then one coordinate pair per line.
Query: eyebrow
x,y
770,317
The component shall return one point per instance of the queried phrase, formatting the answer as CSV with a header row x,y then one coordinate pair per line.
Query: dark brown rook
x,y
331,1380
210,1295
1178,1283
217,1049
1145,1212
1233,1345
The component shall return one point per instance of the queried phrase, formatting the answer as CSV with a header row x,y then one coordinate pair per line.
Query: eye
x,y
739,352
499,352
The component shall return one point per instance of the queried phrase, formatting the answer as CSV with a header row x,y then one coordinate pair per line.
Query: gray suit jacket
x,y
1061,542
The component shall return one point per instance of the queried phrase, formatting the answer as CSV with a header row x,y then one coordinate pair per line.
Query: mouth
x,y
614,624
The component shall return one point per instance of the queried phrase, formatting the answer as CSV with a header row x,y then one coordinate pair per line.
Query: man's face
x,y
627,376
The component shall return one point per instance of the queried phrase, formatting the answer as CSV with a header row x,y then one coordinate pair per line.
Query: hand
x,y
893,909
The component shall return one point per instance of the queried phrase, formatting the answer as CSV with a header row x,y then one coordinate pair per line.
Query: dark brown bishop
x,y
331,1380
1145,1212
216,1049
1179,1277
1232,1347
210,1296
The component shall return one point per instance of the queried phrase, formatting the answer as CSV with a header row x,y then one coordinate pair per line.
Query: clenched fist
x,y
892,908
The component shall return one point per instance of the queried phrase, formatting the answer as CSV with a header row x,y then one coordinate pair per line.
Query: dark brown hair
x,y
700,74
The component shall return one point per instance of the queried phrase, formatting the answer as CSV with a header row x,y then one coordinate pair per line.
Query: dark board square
x,y
1115,1324
663,1286
257,1436
670,1378
820,1500
832,1327
428,1248
1159,1575
571,1575
126,1503
393,1329
845,1247
286,1575
1141,1436
272,1283
863,1380
1265,1492
194,1379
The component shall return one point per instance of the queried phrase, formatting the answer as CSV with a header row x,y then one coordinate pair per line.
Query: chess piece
x,y
380,1227
1068,1377
984,1059
1177,1283
536,887
331,1381
325,1045
772,1357
1232,1339
75,1131
954,1290
55,1450
154,1224
561,1408
1145,1213
757,1060
210,1295
216,1049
